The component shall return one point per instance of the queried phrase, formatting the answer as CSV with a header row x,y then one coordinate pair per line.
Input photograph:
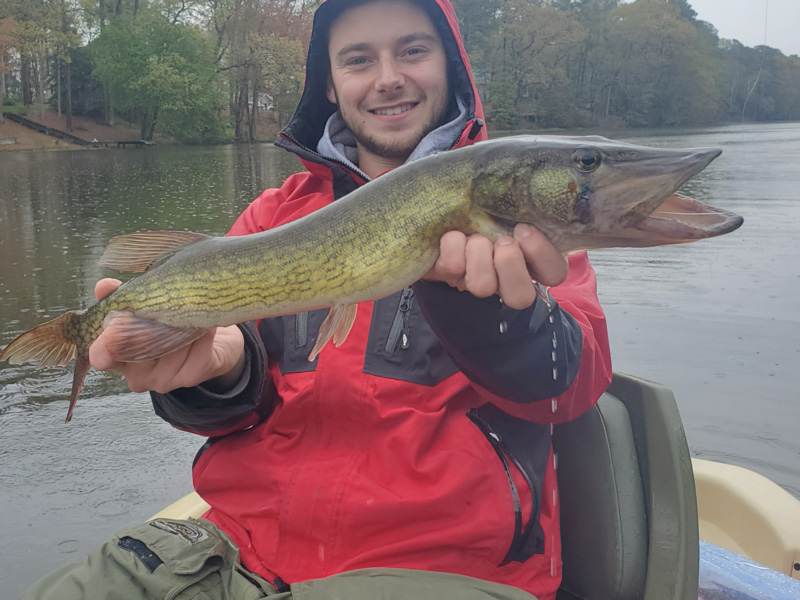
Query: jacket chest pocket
x,y
401,345
288,339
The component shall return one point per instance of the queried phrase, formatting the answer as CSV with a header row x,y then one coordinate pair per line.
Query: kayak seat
x,y
628,505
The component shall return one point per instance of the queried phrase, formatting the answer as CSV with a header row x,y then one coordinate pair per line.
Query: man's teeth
x,y
394,110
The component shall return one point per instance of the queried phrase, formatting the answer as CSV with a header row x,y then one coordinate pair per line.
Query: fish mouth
x,y
680,219
666,216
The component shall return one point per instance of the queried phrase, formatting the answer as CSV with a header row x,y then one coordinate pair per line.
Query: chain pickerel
x,y
581,192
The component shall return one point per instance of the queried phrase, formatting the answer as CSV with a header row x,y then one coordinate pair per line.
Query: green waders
x,y
193,560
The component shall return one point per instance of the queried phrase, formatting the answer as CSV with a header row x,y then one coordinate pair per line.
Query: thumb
x,y
105,286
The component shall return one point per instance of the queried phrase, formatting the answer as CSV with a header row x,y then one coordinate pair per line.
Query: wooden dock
x,y
123,143
52,131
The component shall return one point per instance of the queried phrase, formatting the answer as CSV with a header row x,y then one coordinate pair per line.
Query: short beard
x,y
386,148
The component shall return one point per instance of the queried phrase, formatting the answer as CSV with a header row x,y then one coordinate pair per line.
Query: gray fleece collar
x,y
338,142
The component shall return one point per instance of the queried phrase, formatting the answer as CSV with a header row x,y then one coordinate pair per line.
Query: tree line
x,y
209,70
568,63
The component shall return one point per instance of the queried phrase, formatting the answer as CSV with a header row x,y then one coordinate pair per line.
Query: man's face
x,y
388,76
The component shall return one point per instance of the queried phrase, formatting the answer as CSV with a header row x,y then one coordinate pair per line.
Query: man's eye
x,y
415,51
357,61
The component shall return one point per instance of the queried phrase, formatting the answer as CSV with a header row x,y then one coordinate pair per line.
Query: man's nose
x,y
390,76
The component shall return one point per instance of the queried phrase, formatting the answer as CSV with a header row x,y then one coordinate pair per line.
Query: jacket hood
x,y
307,125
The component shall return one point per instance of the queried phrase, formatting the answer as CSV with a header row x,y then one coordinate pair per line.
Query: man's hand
x,y
505,268
217,357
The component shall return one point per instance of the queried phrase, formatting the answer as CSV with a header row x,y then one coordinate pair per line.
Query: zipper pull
x,y
475,129
405,309
399,332
487,429
405,301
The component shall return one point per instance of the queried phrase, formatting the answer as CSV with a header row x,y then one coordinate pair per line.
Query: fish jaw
x,y
631,184
680,219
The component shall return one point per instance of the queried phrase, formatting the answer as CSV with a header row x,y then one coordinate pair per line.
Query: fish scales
x,y
581,193
305,265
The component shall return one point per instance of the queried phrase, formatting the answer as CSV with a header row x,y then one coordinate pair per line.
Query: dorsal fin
x,y
137,252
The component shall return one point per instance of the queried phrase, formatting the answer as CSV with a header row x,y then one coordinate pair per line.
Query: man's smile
x,y
394,110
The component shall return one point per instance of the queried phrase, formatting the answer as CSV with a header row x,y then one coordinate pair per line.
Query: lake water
x,y
717,321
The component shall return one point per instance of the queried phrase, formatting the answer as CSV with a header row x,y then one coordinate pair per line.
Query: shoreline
x,y
98,136
28,140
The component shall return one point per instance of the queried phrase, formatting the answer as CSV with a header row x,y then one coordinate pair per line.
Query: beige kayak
x,y
746,513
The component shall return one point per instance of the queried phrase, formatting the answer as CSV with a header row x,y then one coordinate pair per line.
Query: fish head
x,y
592,192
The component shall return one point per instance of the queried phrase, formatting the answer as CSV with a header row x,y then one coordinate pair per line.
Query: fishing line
x,y
763,52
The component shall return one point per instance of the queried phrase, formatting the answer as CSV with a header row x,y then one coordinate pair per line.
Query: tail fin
x,y
78,376
53,344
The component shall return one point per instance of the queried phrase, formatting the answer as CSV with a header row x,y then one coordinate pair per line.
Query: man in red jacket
x,y
415,459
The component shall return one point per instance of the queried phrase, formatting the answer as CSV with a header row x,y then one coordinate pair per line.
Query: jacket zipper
x,y
477,125
502,450
398,334
334,160
301,329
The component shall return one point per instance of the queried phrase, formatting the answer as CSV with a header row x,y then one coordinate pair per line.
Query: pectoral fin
x,y
137,252
490,227
137,338
336,325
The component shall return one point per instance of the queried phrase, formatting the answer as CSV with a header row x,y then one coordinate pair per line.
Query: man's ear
x,y
330,92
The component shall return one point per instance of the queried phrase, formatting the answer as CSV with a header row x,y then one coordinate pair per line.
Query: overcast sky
x,y
744,20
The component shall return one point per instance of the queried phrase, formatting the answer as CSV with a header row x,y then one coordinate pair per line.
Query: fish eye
x,y
586,160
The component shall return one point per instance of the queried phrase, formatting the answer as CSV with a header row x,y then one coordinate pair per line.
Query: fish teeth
x,y
396,110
